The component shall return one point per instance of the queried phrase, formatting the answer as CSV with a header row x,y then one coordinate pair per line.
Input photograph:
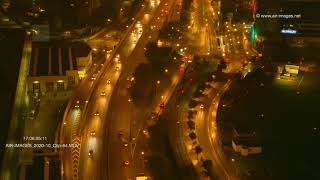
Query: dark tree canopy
x,y
157,54
192,136
198,149
170,31
193,103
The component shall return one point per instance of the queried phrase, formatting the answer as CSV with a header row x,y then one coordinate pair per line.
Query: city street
x,y
208,136
122,117
94,115
204,21
77,127
87,126
159,89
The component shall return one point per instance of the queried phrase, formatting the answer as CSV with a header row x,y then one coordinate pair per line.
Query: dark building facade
x,y
11,45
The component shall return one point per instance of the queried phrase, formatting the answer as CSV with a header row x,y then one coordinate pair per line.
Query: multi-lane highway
x,y
124,117
92,131
106,124
96,158
79,122
204,21
70,128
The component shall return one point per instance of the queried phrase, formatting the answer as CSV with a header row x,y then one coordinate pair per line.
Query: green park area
x,y
285,117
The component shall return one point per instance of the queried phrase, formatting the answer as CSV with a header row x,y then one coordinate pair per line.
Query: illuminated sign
x,y
288,31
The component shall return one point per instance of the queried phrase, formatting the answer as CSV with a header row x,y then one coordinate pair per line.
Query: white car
x,y
90,154
108,81
125,144
92,133
125,163
103,93
130,78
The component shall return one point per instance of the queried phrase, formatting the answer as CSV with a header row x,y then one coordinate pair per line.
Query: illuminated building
x,y
57,66
245,142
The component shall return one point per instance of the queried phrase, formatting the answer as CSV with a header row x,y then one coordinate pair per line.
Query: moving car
x,y
161,105
103,93
123,139
125,163
141,176
153,116
121,135
90,154
92,133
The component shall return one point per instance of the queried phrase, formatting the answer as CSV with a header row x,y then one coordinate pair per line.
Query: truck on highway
x,y
141,176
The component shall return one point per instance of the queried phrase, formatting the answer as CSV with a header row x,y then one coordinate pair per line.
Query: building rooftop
x,y
55,58
246,142
245,136
243,131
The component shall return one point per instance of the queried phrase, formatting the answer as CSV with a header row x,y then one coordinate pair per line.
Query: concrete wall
x,y
244,151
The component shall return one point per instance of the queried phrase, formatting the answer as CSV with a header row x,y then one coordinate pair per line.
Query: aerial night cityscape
x,y
160,90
